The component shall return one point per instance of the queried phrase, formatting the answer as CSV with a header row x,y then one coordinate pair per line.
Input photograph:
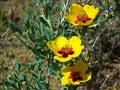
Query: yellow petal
x,y
66,69
75,43
74,83
61,59
86,77
50,45
71,19
77,10
64,79
57,44
77,51
91,11
81,67
74,11
88,22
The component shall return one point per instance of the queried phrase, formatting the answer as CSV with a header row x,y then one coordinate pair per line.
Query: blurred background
x,y
11,49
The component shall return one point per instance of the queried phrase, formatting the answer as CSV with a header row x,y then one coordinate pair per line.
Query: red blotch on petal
x,y
65,55
82,18
75,76
66,51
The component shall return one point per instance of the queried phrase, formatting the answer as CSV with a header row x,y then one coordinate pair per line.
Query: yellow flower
x,y
75,74
79,15
65,49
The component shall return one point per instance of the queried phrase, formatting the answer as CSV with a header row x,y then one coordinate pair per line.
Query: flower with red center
x,y
65,49
79,15
75,74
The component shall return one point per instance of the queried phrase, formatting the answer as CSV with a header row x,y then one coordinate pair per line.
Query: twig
x,y
109,76
62,19
48,69
107,3
67,2
5,32
95,41
97,38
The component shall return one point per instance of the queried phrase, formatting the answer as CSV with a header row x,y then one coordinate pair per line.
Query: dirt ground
x,y
11,50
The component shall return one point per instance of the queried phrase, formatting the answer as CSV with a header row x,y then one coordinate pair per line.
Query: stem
x,y
97,38
107,3
62,19
95,41
48,75
7,31
67,2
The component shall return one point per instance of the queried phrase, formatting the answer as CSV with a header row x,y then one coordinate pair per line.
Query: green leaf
x,y
17,66
3,88
34,34
54,68
62,32
47,1
28,88
15,76
62,5
15,28
55,65
17,85
40,74
12,85
42,85
24,43
44,21
26,21
8,84
34,75
32,66
47,34
21,76
23,67
39,59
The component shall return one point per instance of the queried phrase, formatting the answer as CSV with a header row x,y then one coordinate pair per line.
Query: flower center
x,y
75,76
82,18
66,50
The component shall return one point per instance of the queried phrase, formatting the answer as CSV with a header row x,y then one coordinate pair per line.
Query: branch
x,y
67,2
95,41
7,31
